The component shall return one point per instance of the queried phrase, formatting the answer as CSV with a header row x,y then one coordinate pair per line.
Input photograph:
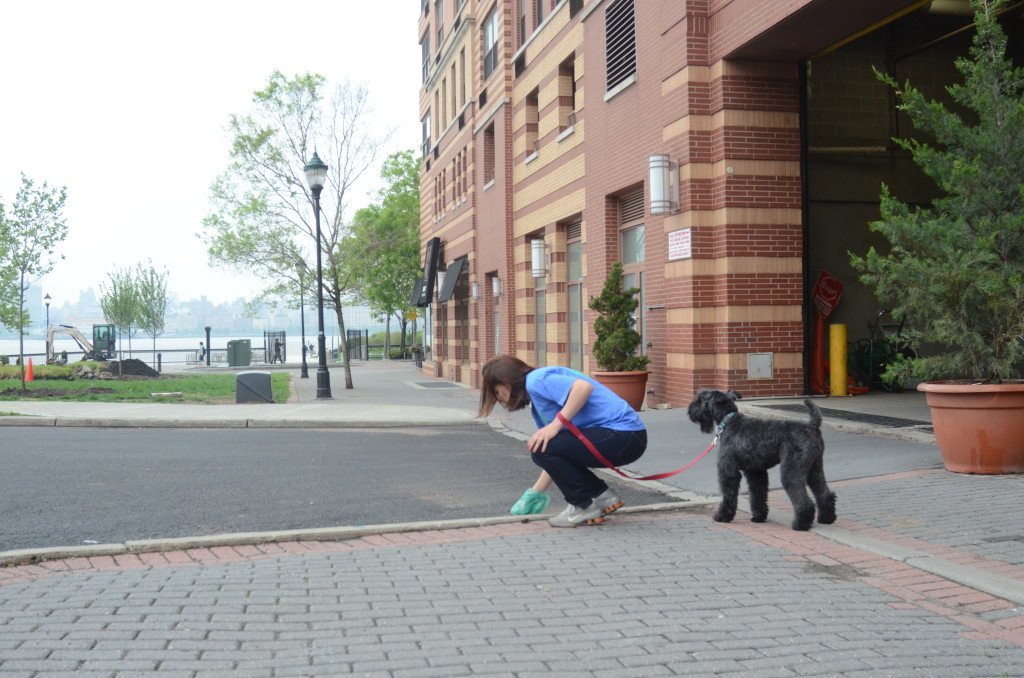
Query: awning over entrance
x,y
816,26
451,278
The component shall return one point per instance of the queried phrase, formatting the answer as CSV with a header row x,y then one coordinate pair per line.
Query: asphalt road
x,y
69,486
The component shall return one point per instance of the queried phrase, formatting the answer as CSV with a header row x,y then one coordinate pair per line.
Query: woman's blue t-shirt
x,y
549,387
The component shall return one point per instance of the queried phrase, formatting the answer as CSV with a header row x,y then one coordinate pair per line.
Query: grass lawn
x,y
205,388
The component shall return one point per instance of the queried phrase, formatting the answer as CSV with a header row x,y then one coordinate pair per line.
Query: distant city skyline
x,y
127,104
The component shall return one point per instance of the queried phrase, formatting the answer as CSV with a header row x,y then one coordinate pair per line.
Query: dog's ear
x,y
733,395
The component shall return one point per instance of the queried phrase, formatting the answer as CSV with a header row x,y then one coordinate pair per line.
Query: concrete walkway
x,y
923,573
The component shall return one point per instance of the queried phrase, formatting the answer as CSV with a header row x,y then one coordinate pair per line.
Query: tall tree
x,y
119,301
29,234
262,219
152,290
386,240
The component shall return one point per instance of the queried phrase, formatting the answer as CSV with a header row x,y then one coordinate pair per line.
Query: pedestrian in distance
x,y
557,395
277,353
202,351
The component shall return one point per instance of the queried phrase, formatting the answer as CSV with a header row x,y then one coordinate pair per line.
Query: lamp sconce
x,y
664,181
440,282
474,290
539,258
496,286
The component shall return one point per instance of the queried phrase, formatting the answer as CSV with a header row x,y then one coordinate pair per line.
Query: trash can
x,y
239,352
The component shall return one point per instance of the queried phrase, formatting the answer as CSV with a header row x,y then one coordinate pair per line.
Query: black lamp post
x,y
46,300
304,372
316,172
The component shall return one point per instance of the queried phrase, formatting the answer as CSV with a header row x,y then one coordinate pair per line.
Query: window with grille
x,y
632,256
490,43
425,49
489,153
574,290
620,43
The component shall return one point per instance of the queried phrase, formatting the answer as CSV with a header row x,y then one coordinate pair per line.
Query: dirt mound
x,y
130,368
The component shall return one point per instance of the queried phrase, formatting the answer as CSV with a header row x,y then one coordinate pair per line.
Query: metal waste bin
x,y
239,352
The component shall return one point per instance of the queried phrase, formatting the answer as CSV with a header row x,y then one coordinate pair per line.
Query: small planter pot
x,y
630,386
979,428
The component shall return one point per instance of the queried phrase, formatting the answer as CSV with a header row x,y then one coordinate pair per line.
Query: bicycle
x,y
870,357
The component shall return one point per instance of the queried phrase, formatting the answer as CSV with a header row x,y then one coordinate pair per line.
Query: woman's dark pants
x,y
568,462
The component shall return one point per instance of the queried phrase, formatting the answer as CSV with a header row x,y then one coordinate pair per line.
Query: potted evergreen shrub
x,y
617,343
955,270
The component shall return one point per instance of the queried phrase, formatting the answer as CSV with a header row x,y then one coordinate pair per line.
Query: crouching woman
x,y
557,394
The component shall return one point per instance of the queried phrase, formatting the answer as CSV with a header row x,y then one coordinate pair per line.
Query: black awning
x,y
417,293
451,277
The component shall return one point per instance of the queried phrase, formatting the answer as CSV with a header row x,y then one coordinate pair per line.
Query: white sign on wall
x,y
679,245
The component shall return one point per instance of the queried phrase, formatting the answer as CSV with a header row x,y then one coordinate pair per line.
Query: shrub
x,y
617,341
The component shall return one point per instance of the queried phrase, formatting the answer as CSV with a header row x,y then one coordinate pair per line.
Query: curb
x,y
137,546
100,422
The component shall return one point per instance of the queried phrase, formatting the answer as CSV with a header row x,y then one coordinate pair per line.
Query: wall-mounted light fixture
x,y
538,258
474,290
664,181
496,286
440,282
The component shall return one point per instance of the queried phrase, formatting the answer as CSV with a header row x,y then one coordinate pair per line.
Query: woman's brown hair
x,y
504,370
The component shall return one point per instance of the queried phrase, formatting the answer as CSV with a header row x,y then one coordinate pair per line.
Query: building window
x,y
540,12
531,124
425,49
462,78
522,23
491,37
574,290
439,18
444,104
425,123
489,154
540,314
620,43
567,94
632,255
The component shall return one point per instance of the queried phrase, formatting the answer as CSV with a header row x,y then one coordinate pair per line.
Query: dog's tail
x,y
815,414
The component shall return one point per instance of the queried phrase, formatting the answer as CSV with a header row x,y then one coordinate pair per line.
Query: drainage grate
x,y
881,420
435,384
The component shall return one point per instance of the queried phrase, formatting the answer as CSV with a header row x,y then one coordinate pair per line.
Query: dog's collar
x,y
725,420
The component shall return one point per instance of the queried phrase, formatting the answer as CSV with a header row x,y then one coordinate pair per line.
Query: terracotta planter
x,y
630,386
979,428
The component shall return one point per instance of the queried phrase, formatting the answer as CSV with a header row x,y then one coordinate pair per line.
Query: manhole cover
x,y
881,420
435,384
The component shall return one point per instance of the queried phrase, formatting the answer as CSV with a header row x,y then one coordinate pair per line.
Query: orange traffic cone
x,y
29,376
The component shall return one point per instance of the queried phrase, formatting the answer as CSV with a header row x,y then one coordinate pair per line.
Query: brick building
x,y
725,151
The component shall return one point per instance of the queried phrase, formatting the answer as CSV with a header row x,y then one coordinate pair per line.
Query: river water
x,y
142,346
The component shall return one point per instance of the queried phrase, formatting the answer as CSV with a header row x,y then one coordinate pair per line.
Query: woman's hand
x,y
539,441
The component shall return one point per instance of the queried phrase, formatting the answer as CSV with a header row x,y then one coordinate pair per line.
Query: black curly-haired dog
x,y
752,446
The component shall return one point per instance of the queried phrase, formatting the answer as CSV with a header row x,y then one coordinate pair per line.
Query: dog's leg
x,y
823,497
795,485
729,485
757,483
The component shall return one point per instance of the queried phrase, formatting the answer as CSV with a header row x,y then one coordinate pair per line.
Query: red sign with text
x,y
826,293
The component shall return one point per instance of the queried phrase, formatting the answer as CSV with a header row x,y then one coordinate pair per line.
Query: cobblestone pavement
x,y
642,595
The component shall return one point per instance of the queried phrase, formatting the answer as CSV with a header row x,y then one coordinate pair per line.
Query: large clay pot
x,y
630,386
979,428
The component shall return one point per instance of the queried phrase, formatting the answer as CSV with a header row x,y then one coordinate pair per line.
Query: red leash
x,y
600,457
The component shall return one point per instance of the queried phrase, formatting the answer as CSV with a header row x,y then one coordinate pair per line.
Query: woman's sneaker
x,y
573,515
608,501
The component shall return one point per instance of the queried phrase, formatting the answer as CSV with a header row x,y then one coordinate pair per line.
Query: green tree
x,y
262,218
616,341
955,270
386,243
119,301
29,235
152,292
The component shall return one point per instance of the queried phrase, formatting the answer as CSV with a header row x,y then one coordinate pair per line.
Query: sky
x,y
126,103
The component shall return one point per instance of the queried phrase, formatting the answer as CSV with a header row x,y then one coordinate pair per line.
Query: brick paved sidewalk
x,y
644,594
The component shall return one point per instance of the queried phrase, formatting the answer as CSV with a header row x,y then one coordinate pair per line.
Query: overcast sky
x,y
126,103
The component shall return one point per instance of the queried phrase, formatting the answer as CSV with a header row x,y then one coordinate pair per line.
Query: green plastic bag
x,y
532,501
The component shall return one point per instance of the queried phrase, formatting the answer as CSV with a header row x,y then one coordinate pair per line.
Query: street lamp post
x,y
316,172
304,372
46,300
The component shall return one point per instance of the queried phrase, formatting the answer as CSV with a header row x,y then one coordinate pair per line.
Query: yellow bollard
x,y
837,360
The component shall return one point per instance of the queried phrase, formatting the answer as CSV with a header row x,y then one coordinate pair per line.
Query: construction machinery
x,y
101,347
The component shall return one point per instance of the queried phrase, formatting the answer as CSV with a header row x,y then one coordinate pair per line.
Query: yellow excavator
x,y
100,348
